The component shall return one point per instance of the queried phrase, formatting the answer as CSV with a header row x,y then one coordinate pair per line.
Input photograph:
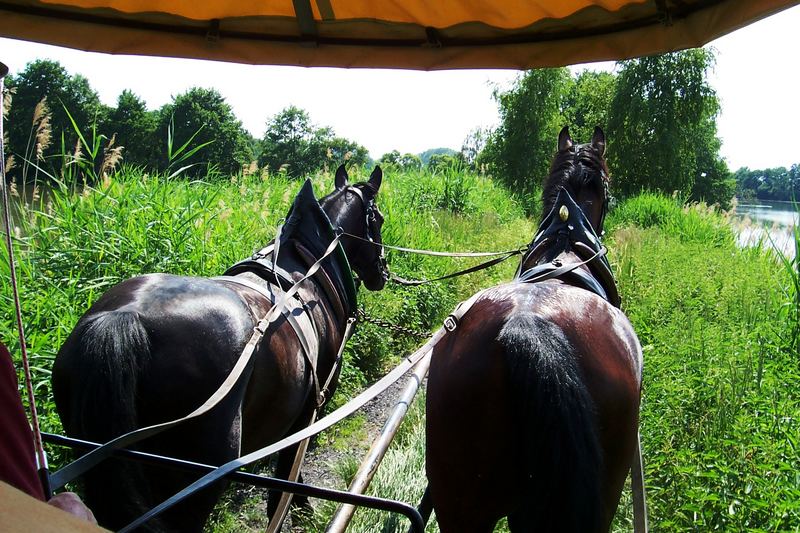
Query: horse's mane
x,y
574,169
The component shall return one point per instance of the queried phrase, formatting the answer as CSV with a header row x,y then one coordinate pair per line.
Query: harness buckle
x,y
450,323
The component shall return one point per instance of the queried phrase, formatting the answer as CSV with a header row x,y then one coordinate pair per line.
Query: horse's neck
x,y
324,298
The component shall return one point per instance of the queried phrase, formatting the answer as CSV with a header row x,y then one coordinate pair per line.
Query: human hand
x,y
71,503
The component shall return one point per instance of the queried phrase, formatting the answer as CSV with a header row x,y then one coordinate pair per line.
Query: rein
x,y
503,256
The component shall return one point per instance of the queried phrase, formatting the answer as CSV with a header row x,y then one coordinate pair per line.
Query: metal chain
x,y
362,315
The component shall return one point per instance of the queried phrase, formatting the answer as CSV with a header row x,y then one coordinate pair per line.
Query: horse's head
x,y
353,209
581,170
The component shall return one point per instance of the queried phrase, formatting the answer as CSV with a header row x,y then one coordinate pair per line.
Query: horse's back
x,y
536,390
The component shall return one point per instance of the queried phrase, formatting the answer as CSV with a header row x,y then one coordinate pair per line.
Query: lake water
x,y
762,221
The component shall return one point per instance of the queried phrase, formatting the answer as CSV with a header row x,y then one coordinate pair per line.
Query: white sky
x,y
756,77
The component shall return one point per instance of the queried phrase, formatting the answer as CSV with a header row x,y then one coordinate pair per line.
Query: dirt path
x,y
321,459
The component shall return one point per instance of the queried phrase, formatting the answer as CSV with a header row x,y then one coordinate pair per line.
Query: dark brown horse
x,y
533,399
155,347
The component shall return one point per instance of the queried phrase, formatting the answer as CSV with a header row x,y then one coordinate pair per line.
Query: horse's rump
x,y
561,455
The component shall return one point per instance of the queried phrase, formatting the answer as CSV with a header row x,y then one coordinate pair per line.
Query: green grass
x,y
718,324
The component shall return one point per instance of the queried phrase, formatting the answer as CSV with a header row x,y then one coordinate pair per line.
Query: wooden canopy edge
x,y
624,39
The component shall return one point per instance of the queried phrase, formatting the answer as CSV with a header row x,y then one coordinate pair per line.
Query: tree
x,y
662,128
769,184
441,161
292,143
405,161
588,103
472,147
287,143
340,150
204,114
426,156
136,129
45,79
519,151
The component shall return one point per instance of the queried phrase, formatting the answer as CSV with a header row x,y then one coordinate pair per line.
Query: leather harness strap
x,y
276,520
296,315
325,281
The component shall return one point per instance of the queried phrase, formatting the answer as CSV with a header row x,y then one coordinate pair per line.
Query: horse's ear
x,y
340,181
375,178
599,140
564,140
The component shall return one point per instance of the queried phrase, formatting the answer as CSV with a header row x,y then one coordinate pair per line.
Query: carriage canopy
x,y
410,34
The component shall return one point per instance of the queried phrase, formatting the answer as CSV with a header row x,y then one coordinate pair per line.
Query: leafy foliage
x,y
473,145
136,129
768,184
204,116
662,128
293,144
519,151
47,82
431,152
588,103
399,161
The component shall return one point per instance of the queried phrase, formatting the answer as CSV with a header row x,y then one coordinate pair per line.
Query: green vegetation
x,y
662,128
659,113
718,324
41,132
768,184
292,144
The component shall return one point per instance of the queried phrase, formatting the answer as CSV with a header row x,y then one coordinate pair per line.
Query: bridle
x,y
371,219
567,227
578,149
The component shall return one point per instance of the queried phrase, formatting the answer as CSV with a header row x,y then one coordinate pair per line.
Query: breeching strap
x,y
41,457
276,521
84,463
320,425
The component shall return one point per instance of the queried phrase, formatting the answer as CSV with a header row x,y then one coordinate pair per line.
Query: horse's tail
x,y
555,411
115,349
106,356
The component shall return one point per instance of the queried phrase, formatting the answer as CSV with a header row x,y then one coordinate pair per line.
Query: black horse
x,y
155,347
533,398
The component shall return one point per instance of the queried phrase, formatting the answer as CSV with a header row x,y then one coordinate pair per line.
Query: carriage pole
x,y
369,465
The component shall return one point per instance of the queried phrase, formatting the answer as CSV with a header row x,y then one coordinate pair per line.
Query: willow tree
x,y
662,128
519,151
